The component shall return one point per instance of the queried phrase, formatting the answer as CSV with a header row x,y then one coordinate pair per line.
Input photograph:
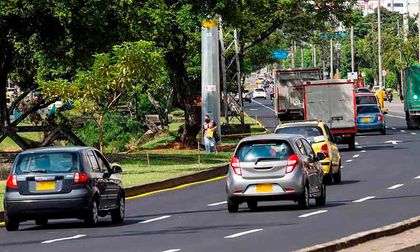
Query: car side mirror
x,y
116,168
320,156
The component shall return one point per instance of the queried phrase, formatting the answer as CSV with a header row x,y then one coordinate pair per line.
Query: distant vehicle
x,y
259,80
274,167
366,98
363,90
65,182
322,140
288,91
246,96
259,93
370,118
412,96
333,102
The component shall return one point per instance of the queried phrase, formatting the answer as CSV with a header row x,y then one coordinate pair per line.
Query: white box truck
x,y
334,102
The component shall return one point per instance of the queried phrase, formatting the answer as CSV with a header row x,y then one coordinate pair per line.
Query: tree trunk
x,y
163,112
101,132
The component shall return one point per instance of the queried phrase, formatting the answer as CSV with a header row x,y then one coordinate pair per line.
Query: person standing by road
x,y
209,131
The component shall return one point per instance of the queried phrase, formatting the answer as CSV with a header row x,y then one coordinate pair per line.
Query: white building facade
x,y
401,6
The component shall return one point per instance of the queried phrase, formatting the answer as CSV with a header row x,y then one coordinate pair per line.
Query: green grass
x,y
166,164
2,188
9,145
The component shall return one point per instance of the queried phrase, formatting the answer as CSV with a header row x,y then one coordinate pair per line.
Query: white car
x,y
260,93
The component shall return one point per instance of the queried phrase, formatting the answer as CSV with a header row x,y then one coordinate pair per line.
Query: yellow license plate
x,y
45,186
264,188
366,119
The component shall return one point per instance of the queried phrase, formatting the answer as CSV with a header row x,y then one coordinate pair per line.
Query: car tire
x,y
322,200
352,143
11,223
337,176
252,205
328,178
118,214
41,222
92,217
303,201
232,205
383,131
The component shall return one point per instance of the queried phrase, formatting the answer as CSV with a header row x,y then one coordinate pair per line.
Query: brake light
x,y
236,166
80,178
380,117
324,149
12,182
291,163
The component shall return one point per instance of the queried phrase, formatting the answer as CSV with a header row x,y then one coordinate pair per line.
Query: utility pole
x,y
352,48
331,58
293,54
238,75
223,63
314,54
379,46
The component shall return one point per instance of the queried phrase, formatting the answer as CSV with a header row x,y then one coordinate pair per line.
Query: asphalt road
x,y
379,188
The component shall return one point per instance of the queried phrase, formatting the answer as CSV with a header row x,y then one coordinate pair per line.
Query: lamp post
x,y
379,46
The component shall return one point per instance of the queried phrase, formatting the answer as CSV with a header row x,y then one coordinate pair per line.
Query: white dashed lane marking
x,y
395,186
418,177
64,239
363,151
264,105
394,128
413,133
363,199
355,156
243,233
403,131
313,213
348,161
217,203
172,250
155,219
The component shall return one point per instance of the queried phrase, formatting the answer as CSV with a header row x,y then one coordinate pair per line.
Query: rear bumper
x,y
326,166
288,187
65,206
370,126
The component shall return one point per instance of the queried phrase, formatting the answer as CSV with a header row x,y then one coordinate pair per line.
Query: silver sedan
x,y
274,167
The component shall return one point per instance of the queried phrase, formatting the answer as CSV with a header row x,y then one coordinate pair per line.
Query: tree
x,y
128,67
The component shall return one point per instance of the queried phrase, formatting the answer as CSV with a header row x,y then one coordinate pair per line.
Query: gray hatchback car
x,y
274,167
65,182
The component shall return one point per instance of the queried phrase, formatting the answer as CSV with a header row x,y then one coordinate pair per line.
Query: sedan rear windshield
x,y
259,90
308,132
56,162
366,100
367,109
264,149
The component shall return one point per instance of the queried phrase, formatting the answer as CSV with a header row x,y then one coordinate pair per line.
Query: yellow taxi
x,y
322,140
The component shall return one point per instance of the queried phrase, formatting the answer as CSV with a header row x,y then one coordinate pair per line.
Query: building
x,y
401,6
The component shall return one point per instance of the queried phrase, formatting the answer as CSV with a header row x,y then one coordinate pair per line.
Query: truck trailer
x,y
412,96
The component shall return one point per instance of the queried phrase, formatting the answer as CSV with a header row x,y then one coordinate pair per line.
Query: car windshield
x,y
366,99
367,109
53,162
259,90
308,132
264,149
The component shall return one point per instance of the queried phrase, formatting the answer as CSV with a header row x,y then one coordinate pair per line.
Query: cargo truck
x,y
288,91
333,102
412,96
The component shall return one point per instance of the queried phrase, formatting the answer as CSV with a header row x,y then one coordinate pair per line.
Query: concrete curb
x,y
365,236
170,183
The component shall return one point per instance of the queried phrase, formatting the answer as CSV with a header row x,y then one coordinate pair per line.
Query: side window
x,y
300,147
103,164
330,135
93,162
308,148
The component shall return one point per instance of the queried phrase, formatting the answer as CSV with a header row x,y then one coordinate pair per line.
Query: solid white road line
x,y
155,219
363,151
243,233
313,213
64,239
395,186
394,128
264,105
401,117
172,250
348,161
253,109
363,199
217,203
403,131
418,177
355,156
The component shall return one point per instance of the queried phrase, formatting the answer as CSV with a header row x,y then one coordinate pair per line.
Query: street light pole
x,y
331,58
379,46
418,24
352,48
